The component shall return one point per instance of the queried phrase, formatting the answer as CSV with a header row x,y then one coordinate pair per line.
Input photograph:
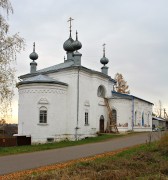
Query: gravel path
x,y
13,163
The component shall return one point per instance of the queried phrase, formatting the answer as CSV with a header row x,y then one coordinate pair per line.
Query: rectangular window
x,y
43,116
86,118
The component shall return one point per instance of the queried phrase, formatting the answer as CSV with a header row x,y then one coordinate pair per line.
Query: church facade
x,y
67,101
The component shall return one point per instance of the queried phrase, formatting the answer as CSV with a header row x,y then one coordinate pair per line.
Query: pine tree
x,y
10,45
121,84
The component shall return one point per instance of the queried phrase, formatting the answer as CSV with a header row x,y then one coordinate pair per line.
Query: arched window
x,y
101,124
135,118
101,91
43,115
148,118
114,116
143,119
86,117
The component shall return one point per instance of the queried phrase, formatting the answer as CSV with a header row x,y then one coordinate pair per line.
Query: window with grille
x,y
86,118
114,116
135,118
43,115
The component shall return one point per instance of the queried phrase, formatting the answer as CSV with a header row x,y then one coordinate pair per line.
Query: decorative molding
x,y
42,124
42,91
43,101
101,103
86,103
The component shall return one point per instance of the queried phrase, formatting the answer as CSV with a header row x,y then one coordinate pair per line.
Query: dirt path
x,y
13,163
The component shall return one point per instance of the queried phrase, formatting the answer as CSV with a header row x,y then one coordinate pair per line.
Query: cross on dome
x,y
33,56
104,60
34,46
70,25
104,46
70,45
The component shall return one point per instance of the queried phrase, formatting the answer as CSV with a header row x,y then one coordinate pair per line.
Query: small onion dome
x,y
68,45
33,56
77,44
104,60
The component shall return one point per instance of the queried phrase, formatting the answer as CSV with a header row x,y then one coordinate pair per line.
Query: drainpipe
x,y
132,113
76,129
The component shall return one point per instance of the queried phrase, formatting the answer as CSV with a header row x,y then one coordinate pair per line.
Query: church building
x,y
70,101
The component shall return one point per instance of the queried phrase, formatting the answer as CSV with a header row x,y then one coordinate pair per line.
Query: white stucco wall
x,y
142,108
63,113
124,115
88,100
126,120
88,87
31,98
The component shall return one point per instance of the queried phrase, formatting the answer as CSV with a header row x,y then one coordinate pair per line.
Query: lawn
x,y
41,147
145,162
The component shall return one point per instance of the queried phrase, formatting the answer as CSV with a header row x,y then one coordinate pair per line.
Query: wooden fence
x,y
14,141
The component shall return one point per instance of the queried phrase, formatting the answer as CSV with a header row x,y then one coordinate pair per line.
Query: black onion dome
x,y
33,56
77,44
104,60
68,45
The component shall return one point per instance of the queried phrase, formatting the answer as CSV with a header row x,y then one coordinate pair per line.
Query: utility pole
x,y
165,114
160,108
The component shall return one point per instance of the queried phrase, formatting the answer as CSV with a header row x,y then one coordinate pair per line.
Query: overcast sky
x,y
135,31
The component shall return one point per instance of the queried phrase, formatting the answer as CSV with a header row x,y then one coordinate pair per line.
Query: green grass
x,y
144,162
61,144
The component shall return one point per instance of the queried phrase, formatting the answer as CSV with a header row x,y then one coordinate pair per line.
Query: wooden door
x,y
102,125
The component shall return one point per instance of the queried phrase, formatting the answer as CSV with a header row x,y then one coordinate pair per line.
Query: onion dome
x,y
104,60
33,56
68,45
77,44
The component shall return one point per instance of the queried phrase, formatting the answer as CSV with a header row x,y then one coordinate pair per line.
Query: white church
x,y
70,101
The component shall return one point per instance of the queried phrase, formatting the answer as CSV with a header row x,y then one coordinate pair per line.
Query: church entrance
x,y
101,125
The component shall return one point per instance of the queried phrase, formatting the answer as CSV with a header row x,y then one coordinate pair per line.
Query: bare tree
x,y
121,85
158,109
10,45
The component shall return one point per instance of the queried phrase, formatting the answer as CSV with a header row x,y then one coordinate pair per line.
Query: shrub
x,y
163,144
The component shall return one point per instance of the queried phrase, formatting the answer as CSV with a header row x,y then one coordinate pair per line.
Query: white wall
x,y
88,100
31,98
89,84
62,107
124,108
142,107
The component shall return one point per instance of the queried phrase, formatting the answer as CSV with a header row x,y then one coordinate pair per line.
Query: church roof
x,y
40,79
57,67
65,66
127,96
158,118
